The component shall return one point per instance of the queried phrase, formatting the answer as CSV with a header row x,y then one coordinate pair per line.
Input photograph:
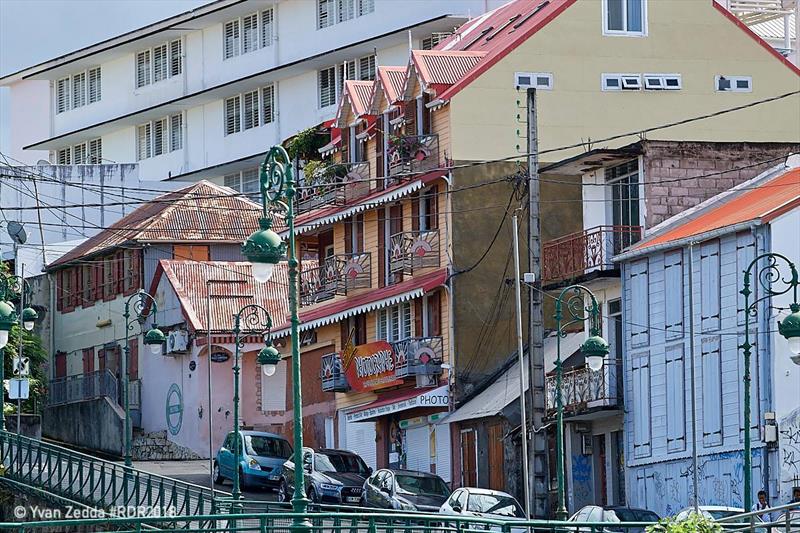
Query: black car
x,y
331,476
405,490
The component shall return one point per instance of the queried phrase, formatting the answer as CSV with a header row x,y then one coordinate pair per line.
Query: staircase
x,y
156,446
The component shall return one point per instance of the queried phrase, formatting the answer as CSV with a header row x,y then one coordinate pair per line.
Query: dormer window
x,y
625,17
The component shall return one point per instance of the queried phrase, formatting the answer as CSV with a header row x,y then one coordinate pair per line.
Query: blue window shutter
x,y
712,392
709,285
676,399
673,294
639,322
641,405
745,253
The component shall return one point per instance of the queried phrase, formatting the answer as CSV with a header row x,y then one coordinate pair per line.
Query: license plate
x,y
352,499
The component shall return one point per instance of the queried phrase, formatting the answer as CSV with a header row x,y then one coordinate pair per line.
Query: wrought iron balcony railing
x,y
413,153
585,251
336,184
584,389
83,387
332,374
337,275
418,356
412,250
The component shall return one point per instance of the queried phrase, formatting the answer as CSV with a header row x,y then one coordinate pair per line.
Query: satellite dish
x,y
42,163
17,232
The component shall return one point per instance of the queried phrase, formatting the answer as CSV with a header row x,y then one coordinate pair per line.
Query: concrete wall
x,y
31,425
96,424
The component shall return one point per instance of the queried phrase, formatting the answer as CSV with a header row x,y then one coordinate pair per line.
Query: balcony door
x,y
623,181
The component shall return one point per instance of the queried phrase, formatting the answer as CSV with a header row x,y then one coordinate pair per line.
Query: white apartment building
x,y
205,93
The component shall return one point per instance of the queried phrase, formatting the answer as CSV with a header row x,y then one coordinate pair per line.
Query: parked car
x,y
406,490
612,513
717,512
331,476
261,461
484,503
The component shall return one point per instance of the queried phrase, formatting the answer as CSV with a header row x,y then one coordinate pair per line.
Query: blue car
x,y
261,461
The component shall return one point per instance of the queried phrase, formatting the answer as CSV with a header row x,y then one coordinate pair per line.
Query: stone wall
x,y
680,175
157,447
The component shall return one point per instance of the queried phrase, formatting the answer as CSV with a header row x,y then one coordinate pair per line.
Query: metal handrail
x,y
82,387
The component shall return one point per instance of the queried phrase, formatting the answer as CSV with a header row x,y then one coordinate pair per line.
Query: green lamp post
x,y
594,350
264,249
769,281
143,306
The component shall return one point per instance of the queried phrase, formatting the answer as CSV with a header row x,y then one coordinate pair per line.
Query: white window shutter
x,y
639,303
673,294
143,148
712,391
79,90
64,156
231,36
346,10
365,7
251,111
268,104
250,33
266,27
326,83
709,286
79,154
96,151
143,68
160,136
324,13
62,97
641,391
175,59
366,68
676,399
273,389
160,63
232,115
95,87
176,132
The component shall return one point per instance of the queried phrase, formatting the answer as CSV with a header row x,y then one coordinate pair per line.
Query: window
x,y
711,391
159,136
621,82
326,83
365,7
95,152
79,154
330,12
394,323
366,68
95,87
231,39
176,132
79,90
625,17
248,34
87,153
143,142
268,104
734,84
623,181
62,95
175,59
324,13
330,81
64,156
232,112
159,63
745,253
250,110
639,303
640,376
662,82
250,38
345,10
429,43
676,399
709,286
673,294
266,27
533,80
143,67
245,181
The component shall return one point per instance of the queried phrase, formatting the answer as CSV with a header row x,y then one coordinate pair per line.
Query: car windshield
x,y
340,462
716,514
267,446
429,485
630,515
494,504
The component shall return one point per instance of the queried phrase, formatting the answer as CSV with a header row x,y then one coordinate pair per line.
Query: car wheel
x,y
283,491
218,479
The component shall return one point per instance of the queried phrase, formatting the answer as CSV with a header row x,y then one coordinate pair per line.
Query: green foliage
x,y
694,523
306,144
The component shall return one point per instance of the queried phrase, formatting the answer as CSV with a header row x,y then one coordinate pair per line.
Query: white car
x,y
485,503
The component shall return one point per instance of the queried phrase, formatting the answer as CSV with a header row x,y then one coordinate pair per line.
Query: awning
x,y
401,400
505,389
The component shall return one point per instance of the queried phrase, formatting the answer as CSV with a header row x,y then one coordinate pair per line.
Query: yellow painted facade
x,y
691,38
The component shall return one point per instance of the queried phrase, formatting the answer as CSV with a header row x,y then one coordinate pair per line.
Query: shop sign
x,y
370,366
438,397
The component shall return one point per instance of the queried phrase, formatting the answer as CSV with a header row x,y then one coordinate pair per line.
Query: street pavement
x,y
197,472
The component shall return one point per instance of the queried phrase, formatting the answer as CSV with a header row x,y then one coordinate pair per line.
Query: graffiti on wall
x,y
581,479
789,444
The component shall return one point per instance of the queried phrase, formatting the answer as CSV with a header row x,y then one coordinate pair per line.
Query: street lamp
x,y
766,277
264,249
594,350
268,358
257,320
154,338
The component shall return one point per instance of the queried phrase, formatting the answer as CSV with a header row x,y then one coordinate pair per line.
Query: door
x,y
225,457
88,360
469,458
417,448
360,439
601,482
497,478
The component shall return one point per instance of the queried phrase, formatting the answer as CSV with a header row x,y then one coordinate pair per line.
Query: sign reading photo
x,y
438,397
370,366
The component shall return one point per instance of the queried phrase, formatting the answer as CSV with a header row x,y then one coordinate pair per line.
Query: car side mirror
x,y
456,508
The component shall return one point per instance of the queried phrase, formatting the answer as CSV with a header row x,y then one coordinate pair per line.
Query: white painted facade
x,y
287,56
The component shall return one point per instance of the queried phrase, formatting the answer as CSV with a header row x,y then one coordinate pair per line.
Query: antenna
x,y
17,232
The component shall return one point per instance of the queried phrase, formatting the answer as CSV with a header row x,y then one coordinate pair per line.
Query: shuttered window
x,y
79,154
709,286
250,38
394,323
712,391
62,95
266,27
673,294
745,253
232,115
176,132
95,152
365,7
640,375
175,59
676,399
251,111
79,90
64,156
143,67
250,180
95,85
639,304
143,142
268,104
160,63
324,13
231,37
345,10
160,136
366,68
326,84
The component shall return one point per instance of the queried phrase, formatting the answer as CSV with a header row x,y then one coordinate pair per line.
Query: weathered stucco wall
x,y
95,424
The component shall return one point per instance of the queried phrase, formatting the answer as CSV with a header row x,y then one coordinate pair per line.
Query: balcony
x,y
418,356
338,275
333,185
83,387
587,251
413,153
332,374
413,250
585,391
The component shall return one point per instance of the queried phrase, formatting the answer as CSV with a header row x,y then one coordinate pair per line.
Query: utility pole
x,y
538,452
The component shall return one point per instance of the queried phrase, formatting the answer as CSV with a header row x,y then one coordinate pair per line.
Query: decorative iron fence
x,y
336,276
335,184
585,251
418,356
412,250
332,374
413,153
83,387
583,388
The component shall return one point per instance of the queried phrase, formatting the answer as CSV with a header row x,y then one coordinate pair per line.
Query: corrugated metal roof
x,y
761,200
356,96
392,79
436,67
201,212
233,288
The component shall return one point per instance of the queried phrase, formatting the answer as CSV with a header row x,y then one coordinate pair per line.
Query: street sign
x,y
21,366
18,388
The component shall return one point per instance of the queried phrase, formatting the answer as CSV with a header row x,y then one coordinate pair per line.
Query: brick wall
x,y
691,162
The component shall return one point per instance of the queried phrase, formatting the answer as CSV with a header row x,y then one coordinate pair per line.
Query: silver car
x,y
484,503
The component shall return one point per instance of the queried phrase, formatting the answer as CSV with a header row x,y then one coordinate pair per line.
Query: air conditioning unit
x,y
426,380
586,444
177,341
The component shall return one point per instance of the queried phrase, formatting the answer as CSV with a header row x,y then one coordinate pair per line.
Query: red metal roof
x,y
391,80
764,201
356,96
233,288
440,69
200,212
